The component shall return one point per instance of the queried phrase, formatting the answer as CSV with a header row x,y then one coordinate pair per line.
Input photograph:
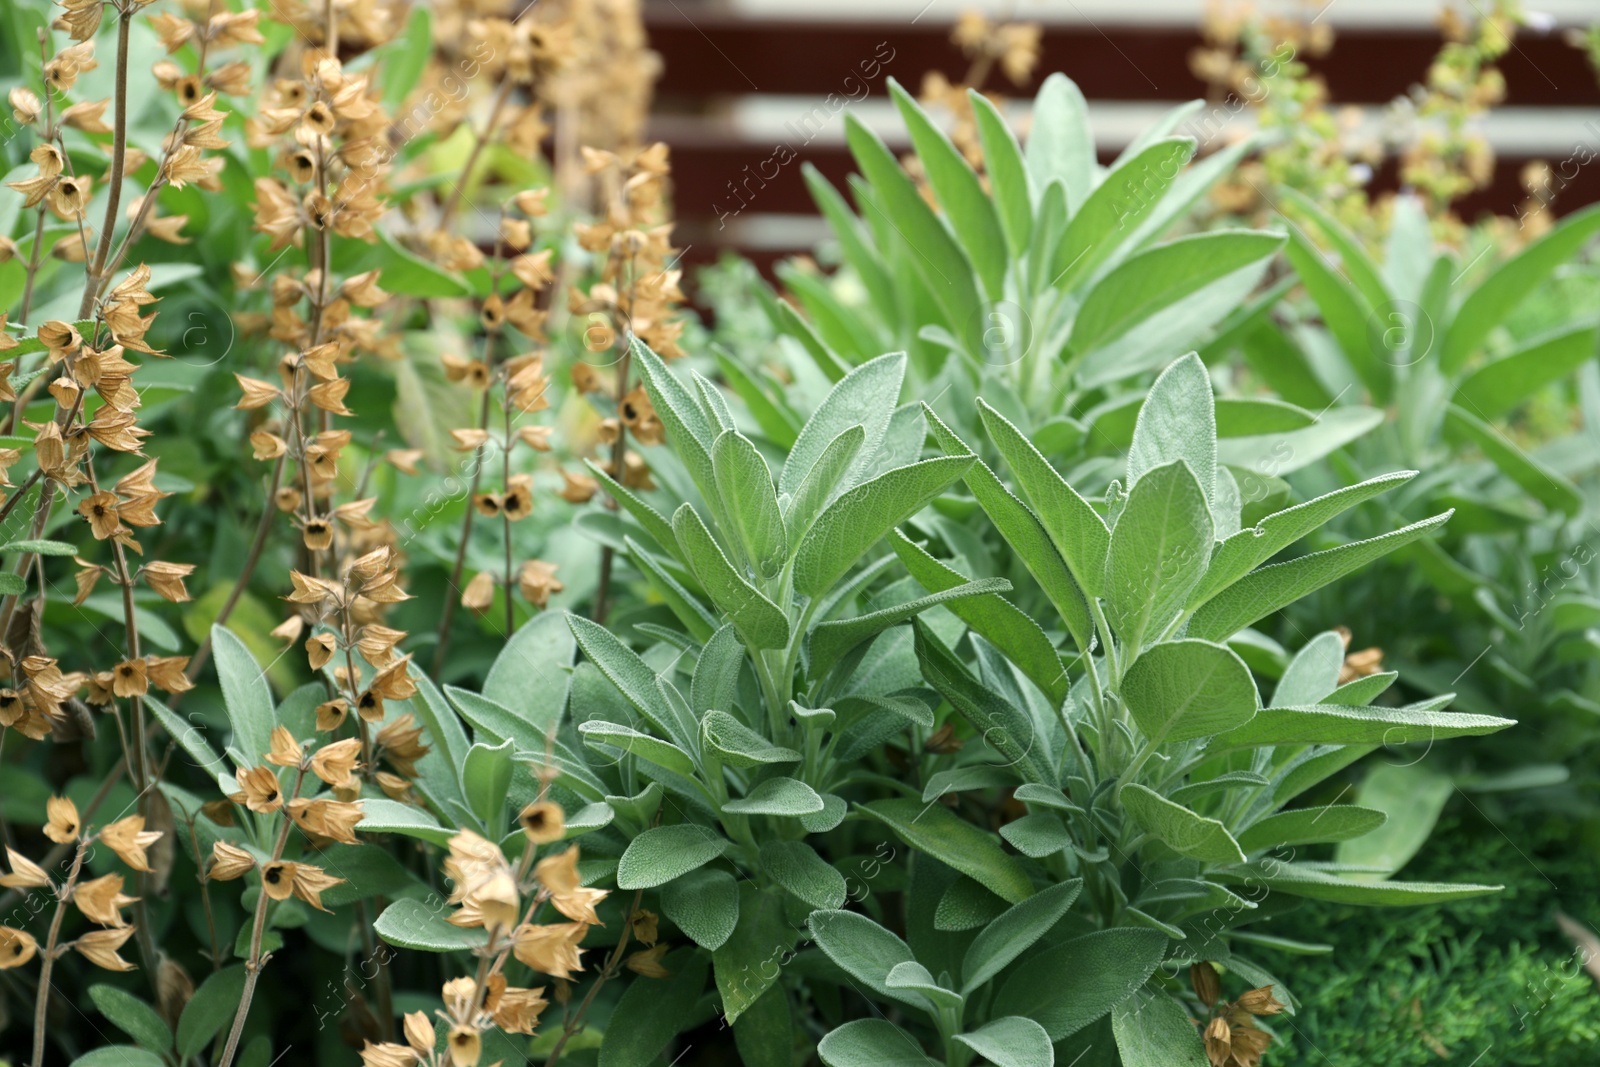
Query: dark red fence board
x,y
712,57
726,55
702,170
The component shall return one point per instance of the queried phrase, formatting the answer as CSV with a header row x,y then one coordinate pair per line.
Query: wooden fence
x,y
746,94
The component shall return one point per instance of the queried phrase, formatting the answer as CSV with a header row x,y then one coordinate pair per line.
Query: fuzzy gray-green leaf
x,y
796,866
1071,984
1347,725
750,502
704,903
862,517
663,853
736,745
955,842
759,621
1076,529
1182,690
1264,591
830,641
1180,829
864,950
1159,550
777,796
1311,826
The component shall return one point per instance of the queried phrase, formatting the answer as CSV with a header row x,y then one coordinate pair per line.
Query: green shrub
x,y
950,672
1490,976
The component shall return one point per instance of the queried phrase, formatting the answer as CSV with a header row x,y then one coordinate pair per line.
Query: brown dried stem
x,y
258,545
148,202
119,155
255,962
619,451
613,965
48,963
458,193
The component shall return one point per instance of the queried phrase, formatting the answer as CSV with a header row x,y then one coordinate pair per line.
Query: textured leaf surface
x,y
751,502
759,621
132,1016
625,670
1068,986
824,481
831,640
1060,144
746,964
1249,548
914,976
1153,1030
486,778
1168,289
381,815
655,524
1113,211
1159,550
1313,674
529,676
1074,527
1177,420
413,924
955,842
865,951
1013,933
1037,836
1346,725
777,796
685,423
1181,690
971,213
1180,829
211,1008
796,866
705,905
663,853
1007,172
936,257
737,745
1011,1041
872,1043
864,515
1024,533
864,398
245,693
662,753
1309,826
1270,588
996,619
1002,725
1319,885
